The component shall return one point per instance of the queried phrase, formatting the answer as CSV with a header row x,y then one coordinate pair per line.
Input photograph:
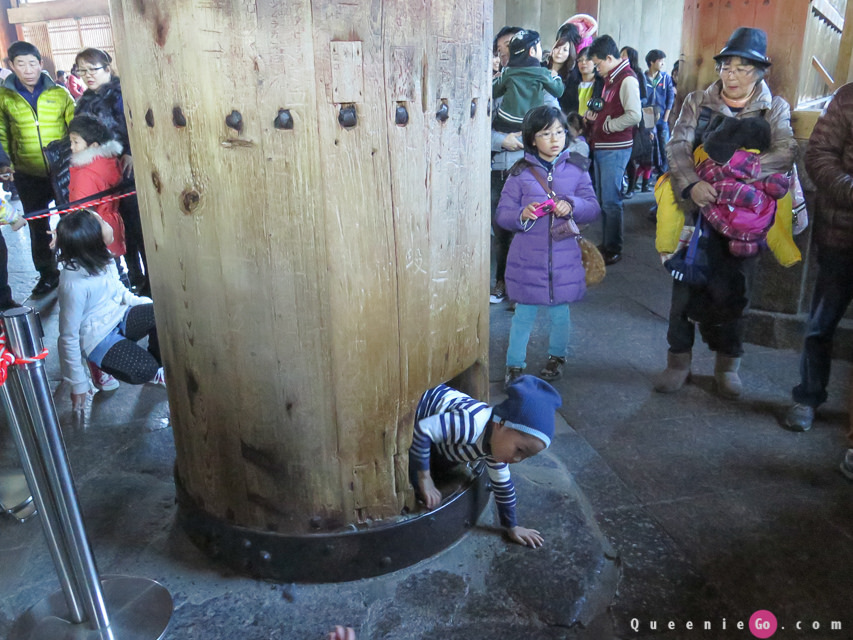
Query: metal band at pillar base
x,y
335,557
139,608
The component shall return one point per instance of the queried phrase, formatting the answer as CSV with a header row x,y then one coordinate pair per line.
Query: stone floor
x,y
657,509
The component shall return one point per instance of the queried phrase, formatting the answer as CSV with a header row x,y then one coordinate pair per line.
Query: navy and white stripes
x,y
454,423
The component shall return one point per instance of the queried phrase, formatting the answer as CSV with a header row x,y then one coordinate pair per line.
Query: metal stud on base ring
x,y
139,608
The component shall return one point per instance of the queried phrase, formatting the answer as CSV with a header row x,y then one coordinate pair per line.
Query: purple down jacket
x,y
540,270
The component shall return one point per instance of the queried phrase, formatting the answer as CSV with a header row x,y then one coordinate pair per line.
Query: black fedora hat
x,y
746,43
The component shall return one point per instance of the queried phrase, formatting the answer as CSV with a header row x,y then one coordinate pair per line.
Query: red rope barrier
x,y
8,358
83,205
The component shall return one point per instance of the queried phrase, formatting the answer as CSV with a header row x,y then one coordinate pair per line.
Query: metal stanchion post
x,y
142,607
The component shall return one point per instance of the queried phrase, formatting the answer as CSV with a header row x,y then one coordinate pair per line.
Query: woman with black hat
x,y
718,307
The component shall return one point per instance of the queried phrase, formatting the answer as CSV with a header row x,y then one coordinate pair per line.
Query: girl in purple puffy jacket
x,y
543,271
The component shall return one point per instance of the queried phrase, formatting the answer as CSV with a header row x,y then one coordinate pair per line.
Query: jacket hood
x,y
9,82
111,149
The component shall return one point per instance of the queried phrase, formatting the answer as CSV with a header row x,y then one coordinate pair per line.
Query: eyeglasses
x,y
89,72
739,72
559,133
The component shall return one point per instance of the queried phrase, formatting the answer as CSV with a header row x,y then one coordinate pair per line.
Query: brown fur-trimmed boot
x,y
727,378
676,374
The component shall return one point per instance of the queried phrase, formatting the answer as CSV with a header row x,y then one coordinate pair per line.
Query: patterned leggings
x,y
126,360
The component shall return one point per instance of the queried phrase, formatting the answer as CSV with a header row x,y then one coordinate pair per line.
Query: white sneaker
x,y
159,378
101,379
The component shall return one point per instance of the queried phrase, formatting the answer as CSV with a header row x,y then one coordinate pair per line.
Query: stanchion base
x,y
138,608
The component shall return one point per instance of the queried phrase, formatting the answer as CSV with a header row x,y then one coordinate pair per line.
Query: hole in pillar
x,y
234,120
347,116
283,120
178,118
473,107
450,477
149,118
443,112
401,116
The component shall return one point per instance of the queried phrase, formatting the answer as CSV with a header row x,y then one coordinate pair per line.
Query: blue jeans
x,y
522,325
832,294
609,169
661,138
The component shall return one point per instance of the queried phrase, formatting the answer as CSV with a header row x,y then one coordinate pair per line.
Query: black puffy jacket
x,y
106,104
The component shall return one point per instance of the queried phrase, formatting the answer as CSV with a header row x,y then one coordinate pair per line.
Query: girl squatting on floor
x,y
98,313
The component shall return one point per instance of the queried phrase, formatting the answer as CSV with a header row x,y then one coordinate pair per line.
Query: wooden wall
x,y
545,16
644,25
709,23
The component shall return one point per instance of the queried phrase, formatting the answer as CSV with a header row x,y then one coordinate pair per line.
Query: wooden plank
x,y
829,13
803,122
58,10
845,49
824,74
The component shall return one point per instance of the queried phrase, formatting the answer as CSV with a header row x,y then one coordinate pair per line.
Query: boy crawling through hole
x,y
461,429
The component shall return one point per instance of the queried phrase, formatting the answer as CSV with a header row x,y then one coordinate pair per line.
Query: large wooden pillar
x,y
313,183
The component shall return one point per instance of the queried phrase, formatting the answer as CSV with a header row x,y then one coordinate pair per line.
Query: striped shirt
x,y
455,424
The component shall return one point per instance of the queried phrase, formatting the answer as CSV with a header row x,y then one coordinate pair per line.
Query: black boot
x,y
632,186
646,187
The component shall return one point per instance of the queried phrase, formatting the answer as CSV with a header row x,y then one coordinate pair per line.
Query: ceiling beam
x,y
58,10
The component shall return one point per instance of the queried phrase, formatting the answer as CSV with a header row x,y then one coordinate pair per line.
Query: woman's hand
x,y
525,537
431,495
512,142
562,208
78,400
703,193
590,115
527,212
127,165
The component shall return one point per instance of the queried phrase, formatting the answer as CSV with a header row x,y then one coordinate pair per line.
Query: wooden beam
x,y
845,48
58,10
828,13
823,73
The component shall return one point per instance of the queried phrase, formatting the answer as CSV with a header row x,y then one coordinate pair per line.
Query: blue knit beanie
x,y
530,406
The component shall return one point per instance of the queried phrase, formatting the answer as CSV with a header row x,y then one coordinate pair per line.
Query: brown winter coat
x,y
829,162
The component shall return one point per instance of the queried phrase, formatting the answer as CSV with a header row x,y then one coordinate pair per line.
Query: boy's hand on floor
x,y
527,537
342,633
431,495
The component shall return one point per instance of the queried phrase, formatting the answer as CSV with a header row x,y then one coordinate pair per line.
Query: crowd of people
x,y
723,162
66,140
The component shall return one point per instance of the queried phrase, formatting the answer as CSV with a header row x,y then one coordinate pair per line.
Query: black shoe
x,y
612,258
627,195
45,285
8,304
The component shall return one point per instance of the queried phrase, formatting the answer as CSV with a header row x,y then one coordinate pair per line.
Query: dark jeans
x,y
135,256
5,289
832,295
36,193
719,307
661,140
502,237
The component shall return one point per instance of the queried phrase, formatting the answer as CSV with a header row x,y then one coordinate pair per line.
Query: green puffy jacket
x,y
23,134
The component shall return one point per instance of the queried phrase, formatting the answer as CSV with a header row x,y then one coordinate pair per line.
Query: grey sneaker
x,y
511,374
847,465
799,417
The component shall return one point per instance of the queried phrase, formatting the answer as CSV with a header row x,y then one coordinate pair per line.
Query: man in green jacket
x,y
34,111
